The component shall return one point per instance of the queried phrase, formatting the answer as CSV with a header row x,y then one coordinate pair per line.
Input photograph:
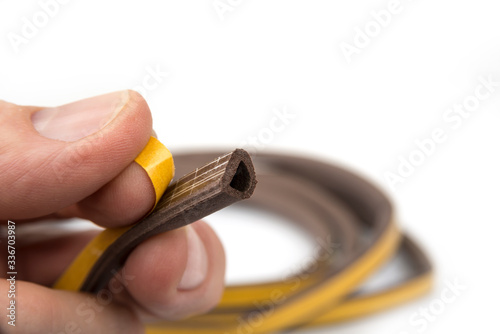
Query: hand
x,y
77,160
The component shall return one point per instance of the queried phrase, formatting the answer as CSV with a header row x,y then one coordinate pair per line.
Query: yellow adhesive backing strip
x,y
76,273
365,305
157,161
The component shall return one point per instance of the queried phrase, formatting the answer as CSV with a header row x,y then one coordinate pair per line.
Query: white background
x,y
227,73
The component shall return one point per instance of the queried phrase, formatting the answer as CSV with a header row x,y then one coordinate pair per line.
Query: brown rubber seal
x,y
222,182
327,200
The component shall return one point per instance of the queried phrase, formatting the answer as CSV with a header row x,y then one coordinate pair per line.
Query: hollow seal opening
x,y
241,179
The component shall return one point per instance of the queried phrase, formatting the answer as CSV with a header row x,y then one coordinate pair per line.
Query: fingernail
x,y
79,119
197,263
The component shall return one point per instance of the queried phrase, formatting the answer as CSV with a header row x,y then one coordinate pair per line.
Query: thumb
x,y
38,309
51,158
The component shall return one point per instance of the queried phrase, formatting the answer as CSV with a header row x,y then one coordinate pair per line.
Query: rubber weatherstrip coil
x,y
351,218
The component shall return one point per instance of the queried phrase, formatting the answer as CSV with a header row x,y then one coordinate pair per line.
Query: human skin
x,y
78,161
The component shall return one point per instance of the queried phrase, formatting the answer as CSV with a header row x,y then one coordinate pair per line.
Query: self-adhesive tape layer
x,y
351,219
